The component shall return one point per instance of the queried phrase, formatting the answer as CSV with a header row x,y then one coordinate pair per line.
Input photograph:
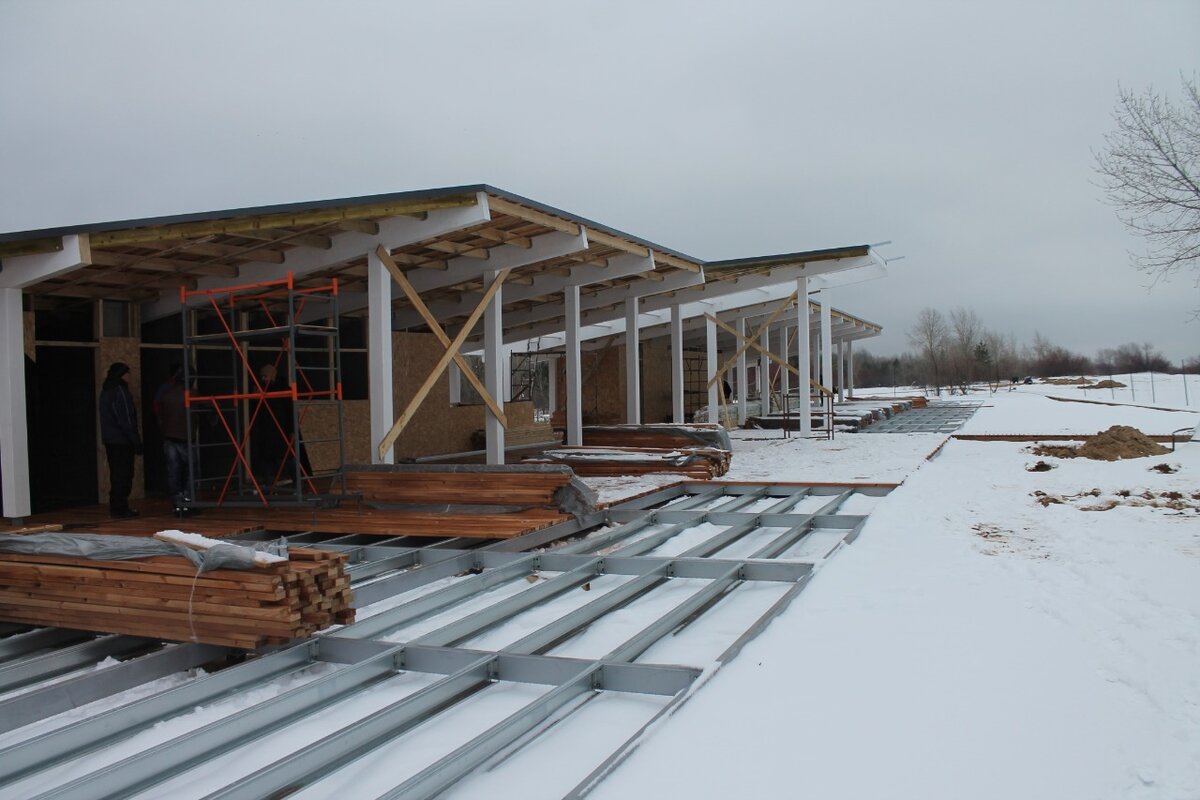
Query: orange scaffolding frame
x,y
232,411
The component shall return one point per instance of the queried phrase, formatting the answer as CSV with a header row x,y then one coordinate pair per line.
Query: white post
x,y
785,375
455,384
677,364
841,370
826,340
742,394
552,383
803,351
574,375
379,355
850,368
633,377
710,336
506,374
14,438
495,365
764,371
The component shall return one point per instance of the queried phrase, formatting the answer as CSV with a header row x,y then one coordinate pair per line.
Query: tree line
x,y
955,349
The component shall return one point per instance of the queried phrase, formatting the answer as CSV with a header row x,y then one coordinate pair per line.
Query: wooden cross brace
x,y
750,343
452,349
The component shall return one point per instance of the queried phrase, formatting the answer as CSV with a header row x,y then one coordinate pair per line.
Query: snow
x,y
971,642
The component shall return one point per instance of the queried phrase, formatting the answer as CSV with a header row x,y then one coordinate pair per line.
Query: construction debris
x,y
168,597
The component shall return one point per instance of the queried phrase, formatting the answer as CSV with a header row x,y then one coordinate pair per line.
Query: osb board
x,y
110,350
320,422
437,427
603,377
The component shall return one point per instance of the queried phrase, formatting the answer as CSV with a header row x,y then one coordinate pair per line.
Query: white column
x,y
379,355
826,340
506,374
574,376
676,364
742,394
803,406
785,375
14,442
841,370
455,383
633,377
764,371
552,383
714,402
495,365
850,368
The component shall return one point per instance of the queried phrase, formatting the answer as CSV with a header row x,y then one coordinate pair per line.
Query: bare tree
x,y
965,328
928,335
1150,169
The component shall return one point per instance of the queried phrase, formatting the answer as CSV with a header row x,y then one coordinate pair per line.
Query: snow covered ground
x,y
972,643
976,641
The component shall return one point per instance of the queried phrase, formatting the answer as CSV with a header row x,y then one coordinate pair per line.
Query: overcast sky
x,y
961,131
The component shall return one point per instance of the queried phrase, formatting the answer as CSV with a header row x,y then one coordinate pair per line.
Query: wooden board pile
x,y
457,487
162,597
701,463
657,437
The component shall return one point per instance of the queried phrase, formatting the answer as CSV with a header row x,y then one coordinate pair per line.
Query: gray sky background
x,y
962,131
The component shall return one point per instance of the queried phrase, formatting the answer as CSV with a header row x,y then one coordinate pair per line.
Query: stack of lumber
x,y
162,597
665,436
700,463
509,487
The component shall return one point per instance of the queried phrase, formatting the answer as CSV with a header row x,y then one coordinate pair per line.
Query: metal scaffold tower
x,y
262,367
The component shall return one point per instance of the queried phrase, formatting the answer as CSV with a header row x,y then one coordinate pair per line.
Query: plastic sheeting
x,y
101,547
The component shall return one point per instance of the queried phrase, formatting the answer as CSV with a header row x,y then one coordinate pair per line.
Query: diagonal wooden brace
x,y
768,354
725,367
451,350
415,298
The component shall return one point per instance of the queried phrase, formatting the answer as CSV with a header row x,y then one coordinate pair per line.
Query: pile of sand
x,y
1114,444
1067,381
1105,384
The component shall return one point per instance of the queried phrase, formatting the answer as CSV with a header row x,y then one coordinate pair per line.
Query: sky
x,y
962,132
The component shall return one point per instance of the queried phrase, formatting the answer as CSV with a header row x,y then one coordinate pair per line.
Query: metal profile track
x,y
383,569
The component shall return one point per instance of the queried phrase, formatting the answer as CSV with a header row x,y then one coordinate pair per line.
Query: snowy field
x,y
973,643
994,632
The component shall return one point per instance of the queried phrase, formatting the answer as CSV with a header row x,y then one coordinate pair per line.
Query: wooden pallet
x,y
163,597
593,462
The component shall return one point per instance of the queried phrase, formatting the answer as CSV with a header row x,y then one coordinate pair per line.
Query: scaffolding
x,y
260,360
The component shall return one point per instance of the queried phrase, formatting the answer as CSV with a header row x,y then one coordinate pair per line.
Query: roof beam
x,y
623,266
20,272
395,232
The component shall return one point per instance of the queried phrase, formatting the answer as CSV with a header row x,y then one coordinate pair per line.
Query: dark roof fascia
x,y
784,259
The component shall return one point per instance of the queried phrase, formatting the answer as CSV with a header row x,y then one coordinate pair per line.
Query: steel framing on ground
x,y
937,417
615,542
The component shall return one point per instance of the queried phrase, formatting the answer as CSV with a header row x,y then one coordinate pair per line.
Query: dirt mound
x,y
1067,381
1105,384
1114,444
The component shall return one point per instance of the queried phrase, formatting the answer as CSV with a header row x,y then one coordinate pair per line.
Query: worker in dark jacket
x,y
119,431
170,408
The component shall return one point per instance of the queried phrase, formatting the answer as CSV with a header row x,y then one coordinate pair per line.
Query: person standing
x,y
170,408
119,431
